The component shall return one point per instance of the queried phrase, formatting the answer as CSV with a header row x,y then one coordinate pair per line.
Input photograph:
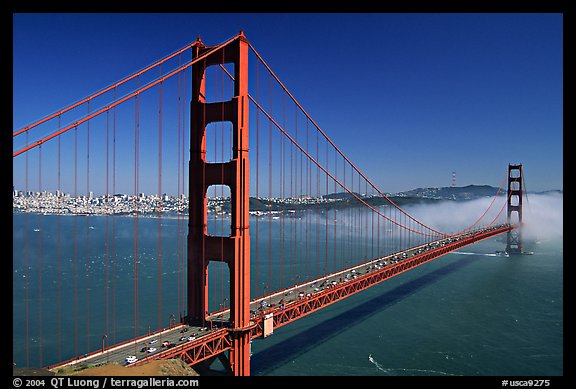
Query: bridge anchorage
x,y
357,235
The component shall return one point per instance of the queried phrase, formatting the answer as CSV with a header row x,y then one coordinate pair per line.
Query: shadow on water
x,y
275,356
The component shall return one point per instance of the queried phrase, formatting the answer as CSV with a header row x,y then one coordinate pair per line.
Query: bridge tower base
x,y
514,244
234,250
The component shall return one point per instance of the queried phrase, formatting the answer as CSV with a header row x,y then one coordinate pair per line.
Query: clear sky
x,y
409,98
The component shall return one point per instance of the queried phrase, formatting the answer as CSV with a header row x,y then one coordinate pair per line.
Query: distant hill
x,y
341,200
457,193
344,199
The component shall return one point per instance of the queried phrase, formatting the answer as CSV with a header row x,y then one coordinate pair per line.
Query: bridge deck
x,y
194,344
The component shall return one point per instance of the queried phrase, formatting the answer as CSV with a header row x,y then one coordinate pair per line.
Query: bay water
x,y
470,312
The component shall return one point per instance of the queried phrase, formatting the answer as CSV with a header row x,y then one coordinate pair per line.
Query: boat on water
x,y
506,254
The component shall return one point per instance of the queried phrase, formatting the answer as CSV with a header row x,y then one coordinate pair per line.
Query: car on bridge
x,y
130,359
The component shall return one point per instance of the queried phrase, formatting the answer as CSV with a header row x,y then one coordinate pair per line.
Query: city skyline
x,y
425,95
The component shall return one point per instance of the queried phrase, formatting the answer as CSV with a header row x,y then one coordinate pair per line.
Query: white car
x,y
153,341
151,349
131,359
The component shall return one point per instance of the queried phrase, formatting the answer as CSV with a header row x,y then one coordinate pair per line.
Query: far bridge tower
x,y
514,242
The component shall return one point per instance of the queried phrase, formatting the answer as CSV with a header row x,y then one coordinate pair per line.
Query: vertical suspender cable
x,y
107,234
357,238
360,222
352,220
75,258
87,244
409,231
297,193
318,216
308,211
361,241
352,242
397,231
304,228
180,284
402,232
346,223
183,171
257,251
336,265
372,236
159,206
136,209
282,188
27,263
59,254
268,282
114,224
292,197
40,259
326,219
378,252
317,222
351,239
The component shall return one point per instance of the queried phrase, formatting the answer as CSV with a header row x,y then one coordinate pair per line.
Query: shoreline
x,y
156,216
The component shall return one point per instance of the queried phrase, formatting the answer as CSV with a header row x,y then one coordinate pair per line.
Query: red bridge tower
x,y
234,250
514,209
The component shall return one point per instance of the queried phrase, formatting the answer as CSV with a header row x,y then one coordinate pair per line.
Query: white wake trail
x,y
389,370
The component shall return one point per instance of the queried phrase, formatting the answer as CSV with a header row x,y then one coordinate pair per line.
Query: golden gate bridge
x,y
274,222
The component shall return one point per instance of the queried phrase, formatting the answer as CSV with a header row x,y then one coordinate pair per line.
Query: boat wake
x,y
389,371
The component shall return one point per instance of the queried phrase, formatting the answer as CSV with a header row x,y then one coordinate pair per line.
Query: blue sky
x,y
409,98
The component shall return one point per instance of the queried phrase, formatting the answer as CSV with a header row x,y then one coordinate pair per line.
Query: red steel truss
x,y
222,340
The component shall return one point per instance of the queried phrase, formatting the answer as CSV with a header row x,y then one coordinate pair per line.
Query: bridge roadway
x,y
194,344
